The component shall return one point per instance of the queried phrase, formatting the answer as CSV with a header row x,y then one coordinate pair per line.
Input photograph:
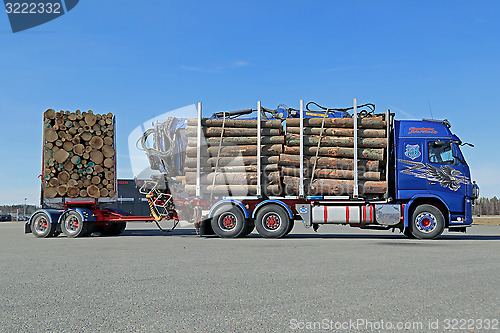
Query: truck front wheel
x,y
273,222
229,222
427,222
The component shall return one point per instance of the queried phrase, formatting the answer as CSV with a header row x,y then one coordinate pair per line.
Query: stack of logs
x,y
333,162
229,157
79,154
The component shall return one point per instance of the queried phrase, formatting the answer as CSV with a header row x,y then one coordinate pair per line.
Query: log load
x,y
79,154
333,186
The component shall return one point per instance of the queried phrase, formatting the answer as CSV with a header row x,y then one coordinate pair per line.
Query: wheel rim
x,y
72,224
426,222
40,224
271,221
227,221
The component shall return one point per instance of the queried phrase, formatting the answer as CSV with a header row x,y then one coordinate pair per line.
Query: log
x,y
61,155
232,178
96,142
63,177
366,153
109,175
332,173
366,133
50,192
68,166
236,190
68,146
236,168
96,156
54,182
103,192
93,191
90,119
73,192
328,162
333,186
61,190
108,141
72,183
95,180
232,131
99,168
86,136
248,123
83,193
108,163
237,140
232,161
266,150
49,114
369,122
79,149
108,151
50,135
332,141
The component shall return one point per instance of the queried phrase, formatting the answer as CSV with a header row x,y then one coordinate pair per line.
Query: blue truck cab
x,y
430,170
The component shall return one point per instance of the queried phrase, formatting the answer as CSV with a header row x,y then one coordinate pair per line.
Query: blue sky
x,y
139,59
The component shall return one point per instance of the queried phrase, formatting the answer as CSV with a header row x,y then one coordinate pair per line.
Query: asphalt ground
x,y
339,279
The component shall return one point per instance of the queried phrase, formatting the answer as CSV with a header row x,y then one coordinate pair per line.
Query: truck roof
x,y
422,129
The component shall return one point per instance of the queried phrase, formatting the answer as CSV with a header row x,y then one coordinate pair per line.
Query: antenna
x,y
430,109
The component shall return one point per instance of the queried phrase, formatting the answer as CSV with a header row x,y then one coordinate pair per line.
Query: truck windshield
x,y
441,152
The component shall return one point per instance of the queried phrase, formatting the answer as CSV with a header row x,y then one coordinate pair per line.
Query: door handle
x,y
431,183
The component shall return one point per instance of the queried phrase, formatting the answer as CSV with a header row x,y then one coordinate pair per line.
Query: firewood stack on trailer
x,y
79,155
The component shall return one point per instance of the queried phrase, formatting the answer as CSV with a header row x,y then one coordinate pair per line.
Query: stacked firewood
x,y
328,167
229,157
79,154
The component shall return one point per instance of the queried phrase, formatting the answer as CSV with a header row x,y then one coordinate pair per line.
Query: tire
x,y
229,222
407,233
290,227
41,227
273,221
427,222
114,229
249,226
73,225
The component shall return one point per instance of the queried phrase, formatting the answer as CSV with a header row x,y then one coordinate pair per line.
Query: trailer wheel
x,y
114,229
73,225
427,222
249,226
41,226
273,221
229,222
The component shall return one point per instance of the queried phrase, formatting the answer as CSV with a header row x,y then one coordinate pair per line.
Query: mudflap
x,y
206,228
27,228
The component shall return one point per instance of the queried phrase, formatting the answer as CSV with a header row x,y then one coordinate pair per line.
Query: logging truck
x,y
267,169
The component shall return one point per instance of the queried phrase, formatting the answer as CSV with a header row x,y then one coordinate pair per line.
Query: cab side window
x,y
441,152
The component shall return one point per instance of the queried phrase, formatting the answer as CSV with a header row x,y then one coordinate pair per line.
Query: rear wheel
x,y
73,225
229,222
41,227
427,222
273,221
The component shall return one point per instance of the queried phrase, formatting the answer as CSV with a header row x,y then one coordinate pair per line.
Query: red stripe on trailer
x,y
371,213
347,214
325,213
364,213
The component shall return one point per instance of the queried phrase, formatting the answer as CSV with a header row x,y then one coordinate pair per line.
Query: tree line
x,y
487,206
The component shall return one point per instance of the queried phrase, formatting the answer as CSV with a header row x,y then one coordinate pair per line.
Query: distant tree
x,y
487,206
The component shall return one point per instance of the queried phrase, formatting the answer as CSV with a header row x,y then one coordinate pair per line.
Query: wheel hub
x,y
227,221
426,222
272,221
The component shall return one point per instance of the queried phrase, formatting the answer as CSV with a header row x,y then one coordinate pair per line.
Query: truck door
x,y
446,174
